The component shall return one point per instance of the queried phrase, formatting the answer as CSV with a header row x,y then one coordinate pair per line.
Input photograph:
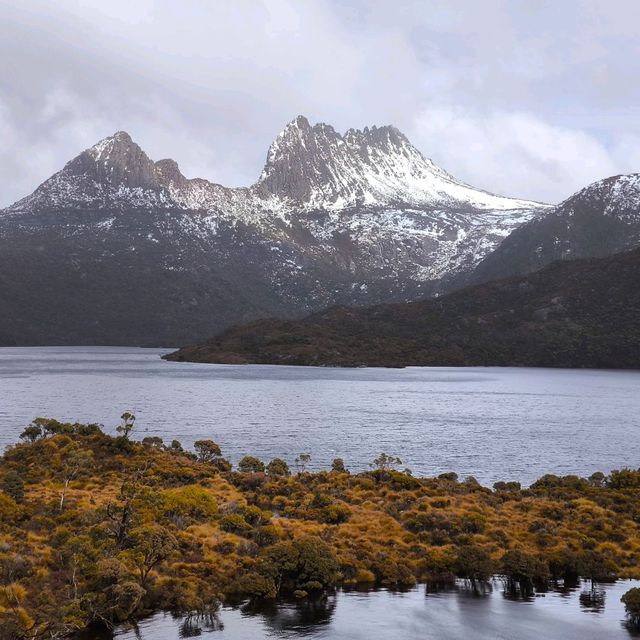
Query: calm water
x,y
454,615
492,423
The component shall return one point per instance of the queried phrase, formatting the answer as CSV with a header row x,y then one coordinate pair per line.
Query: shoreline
x,y
131,527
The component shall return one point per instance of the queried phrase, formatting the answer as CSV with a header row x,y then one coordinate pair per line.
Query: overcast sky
x,y
521,97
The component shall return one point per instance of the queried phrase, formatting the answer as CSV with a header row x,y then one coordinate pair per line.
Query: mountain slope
x,y
602,219
581,313
118,249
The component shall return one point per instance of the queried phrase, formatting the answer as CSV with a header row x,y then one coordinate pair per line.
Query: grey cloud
x,y
211,84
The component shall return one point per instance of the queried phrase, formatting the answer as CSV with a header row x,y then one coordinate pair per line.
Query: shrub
x,y
306,564
523,571
338,466
13,486
265,536
191,501
474,564
335,514
235,523
251,464
631,600
207,451
278,467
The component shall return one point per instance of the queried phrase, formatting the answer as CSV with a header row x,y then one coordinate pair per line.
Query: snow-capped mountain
x,y
356,218
597,221
319,168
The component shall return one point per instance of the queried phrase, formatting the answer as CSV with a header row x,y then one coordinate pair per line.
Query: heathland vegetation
x,y
574,313
96,529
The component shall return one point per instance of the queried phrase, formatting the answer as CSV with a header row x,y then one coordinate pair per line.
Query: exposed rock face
x,y
357,218
318,167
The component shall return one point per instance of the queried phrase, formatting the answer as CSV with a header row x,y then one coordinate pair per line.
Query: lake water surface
x,y
416,615
488,422
492,423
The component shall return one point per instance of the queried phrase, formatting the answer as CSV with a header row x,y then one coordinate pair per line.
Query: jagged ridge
x,y
306,167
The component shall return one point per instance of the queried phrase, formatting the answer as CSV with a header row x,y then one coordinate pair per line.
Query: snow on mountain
x,y
307,167
357,218
319,168
599,220
371,185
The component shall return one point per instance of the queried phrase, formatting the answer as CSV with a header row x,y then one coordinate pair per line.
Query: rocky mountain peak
x,y
617,196
168,173
317,167
116,161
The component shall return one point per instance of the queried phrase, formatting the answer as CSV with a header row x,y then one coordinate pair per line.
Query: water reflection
x,y
193,626
308,616
579,612
593,599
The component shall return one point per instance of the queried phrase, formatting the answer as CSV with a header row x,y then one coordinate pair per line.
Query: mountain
x,y
118,249
578,313
602,219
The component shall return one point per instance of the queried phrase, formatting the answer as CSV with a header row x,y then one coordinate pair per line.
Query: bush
x,y
251,464
474,564
631,600
306,564
338,466
207,451
192,502
265,536
335,514
278,467
13,486
523,571
235,523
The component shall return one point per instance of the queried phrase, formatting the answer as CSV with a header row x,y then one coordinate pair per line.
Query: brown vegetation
x,y
144,526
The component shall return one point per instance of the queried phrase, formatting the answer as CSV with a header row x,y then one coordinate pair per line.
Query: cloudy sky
x,y
530,98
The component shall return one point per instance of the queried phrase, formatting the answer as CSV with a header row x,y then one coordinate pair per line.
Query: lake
x,y
415,615
492,423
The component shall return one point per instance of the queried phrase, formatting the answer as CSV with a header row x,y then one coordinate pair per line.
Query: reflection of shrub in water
x,y
193,625
297,615
467,588
593,599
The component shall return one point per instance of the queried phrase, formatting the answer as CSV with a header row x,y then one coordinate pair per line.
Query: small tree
x,y
523,571
74,460
150,545
207,451
338,465
385,463
597,479
155,442
251,464
306,564
120,517
125,427
32,433
475,565
176,447
302,461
